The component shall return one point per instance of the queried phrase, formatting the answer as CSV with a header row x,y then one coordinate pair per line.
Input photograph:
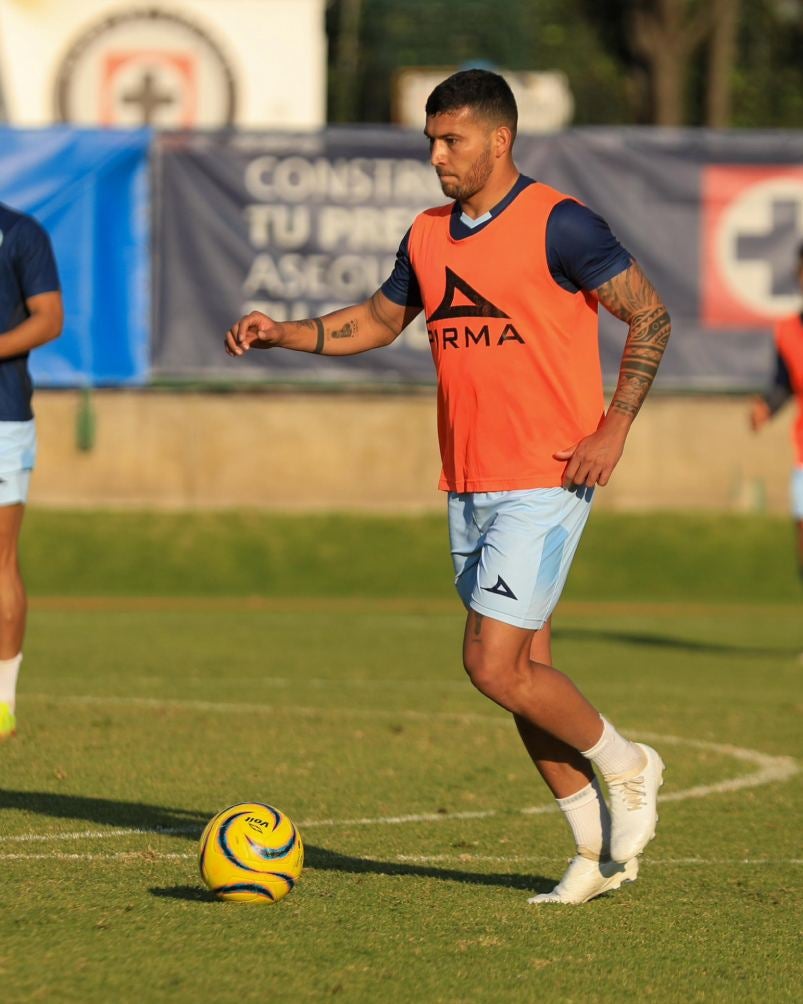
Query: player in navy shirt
x,y
30,314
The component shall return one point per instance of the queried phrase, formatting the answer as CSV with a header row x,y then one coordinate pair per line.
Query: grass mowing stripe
x,y
396,605
771,768
745,557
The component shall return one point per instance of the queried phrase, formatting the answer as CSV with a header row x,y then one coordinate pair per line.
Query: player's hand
x,y
591,461
759,413
254,330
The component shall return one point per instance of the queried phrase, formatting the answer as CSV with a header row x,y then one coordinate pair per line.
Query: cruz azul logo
x,y
482,321
752,226
145,67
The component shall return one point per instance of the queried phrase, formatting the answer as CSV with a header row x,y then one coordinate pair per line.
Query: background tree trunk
x,y
665,34
347,65
721,57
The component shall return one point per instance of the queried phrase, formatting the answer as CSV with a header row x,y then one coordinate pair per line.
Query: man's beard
x,y
478,174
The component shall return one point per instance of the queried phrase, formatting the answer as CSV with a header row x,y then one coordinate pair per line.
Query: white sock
x,y
588,819
9,668
613,754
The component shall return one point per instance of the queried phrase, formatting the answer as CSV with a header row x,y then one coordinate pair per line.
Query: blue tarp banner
x,y
295,225
299,224
90,190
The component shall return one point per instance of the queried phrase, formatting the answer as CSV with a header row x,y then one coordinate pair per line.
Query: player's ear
x,y
503,140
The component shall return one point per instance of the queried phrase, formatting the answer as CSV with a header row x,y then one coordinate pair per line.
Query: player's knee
x,y
485,670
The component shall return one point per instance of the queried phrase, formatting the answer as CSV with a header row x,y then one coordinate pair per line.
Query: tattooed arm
x,y
368,325
631,297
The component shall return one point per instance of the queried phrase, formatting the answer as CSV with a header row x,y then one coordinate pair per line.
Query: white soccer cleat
x,y
634,806
585,878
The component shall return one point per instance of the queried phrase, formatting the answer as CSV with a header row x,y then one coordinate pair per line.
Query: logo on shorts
x,y
501,588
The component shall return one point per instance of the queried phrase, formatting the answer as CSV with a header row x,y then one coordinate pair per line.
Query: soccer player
x,y
509,276
30,315
787,382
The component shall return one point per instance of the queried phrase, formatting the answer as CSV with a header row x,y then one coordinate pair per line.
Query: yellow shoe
x,y
8,723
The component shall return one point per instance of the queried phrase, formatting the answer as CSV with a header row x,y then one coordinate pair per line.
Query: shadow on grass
x,y
108,812
672,642
188,824
322,859
193,893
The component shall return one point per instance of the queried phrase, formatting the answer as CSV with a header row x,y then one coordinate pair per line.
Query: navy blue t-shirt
x,y
27,268
582,253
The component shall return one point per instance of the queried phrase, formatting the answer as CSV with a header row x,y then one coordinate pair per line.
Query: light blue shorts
x,y
796,491
512,550
17,460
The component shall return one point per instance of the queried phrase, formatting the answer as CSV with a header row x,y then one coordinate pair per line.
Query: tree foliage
x,y
674,62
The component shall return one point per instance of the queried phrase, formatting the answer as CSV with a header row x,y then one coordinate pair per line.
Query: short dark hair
x,y
485,92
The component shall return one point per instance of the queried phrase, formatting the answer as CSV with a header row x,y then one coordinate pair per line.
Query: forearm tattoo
x,y
319,328
315,324
631,297
349,330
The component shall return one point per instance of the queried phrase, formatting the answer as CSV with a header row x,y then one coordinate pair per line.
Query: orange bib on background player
x,y
517,356
789,341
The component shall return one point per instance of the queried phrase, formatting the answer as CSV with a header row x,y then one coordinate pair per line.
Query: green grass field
x,y
178,664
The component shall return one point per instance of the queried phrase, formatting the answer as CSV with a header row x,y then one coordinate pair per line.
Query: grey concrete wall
x,y
156,449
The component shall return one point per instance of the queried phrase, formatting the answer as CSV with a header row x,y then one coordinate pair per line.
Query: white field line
x,y
31,838
422,859
528,858
243,708
115,856
769,769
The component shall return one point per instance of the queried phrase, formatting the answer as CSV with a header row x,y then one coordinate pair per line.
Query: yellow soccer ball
x,y
251,853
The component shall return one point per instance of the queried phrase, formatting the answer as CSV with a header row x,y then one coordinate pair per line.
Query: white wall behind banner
x,y
177,64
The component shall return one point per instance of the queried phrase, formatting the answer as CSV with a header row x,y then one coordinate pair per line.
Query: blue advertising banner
x,y
714,218
295,225
89,189
299,224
